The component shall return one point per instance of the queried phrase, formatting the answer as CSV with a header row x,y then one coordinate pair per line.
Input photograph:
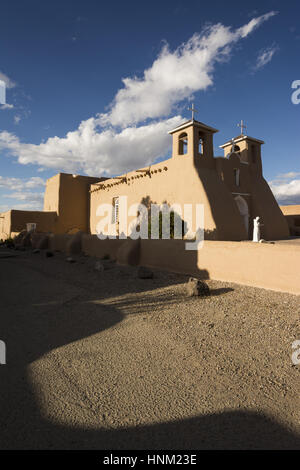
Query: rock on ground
x,y
99,267
196,287
144,273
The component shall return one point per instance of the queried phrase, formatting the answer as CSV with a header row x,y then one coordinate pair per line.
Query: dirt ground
x,y
110,361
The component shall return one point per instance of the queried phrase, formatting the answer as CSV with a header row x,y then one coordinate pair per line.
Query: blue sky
x,y
93,87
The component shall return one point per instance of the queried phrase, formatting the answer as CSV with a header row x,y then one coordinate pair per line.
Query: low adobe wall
x,y
14,221
59,242
92,246
264,265
271,266
171,255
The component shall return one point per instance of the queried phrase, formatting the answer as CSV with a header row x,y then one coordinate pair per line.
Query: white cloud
x,y
29,197
291,174
6,106
265,56
24,200
255,23
19,184
286,188
175,76
8,82
98,147
96,153
22,189
17,119
26,206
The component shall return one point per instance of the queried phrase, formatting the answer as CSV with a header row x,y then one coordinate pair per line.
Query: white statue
x,y
256,229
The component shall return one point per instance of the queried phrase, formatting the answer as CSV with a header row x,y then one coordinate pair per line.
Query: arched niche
x,y
244,210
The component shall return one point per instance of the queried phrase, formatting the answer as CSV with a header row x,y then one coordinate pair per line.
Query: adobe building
x,y
231,188
69,197
66,208
292,215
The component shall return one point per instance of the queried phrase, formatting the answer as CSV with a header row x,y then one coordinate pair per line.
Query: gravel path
x,y
107,360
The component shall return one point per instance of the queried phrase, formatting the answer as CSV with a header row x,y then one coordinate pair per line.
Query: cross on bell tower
x,y
248,148
242,126
193,111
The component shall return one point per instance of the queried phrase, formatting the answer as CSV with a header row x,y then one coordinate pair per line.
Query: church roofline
x,y
239,138
195,123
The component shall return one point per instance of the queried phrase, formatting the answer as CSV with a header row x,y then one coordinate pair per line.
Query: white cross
x,y
242,126
193,111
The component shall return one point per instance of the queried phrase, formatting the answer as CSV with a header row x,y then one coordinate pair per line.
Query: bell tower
x,y
247,148
193,140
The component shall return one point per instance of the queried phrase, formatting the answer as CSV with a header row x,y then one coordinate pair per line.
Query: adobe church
x,y
231,188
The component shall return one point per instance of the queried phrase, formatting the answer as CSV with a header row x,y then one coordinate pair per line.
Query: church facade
x,y
232,188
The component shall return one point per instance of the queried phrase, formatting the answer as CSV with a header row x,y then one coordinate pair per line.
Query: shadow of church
x,y
35,320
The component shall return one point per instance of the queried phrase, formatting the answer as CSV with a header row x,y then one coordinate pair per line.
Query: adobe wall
x,y
74,203
92,246
270,266
225,169
59,241
176,180
290,210
69,195
265,205
292,216
275,267
5,225
256,192
51,196
200,179
15,221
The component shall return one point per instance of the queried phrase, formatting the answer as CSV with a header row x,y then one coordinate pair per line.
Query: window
x,y
200,146
201,143
236,172
115,212
183,144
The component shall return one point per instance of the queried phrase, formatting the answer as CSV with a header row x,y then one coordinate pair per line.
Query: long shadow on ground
x,y
33,322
